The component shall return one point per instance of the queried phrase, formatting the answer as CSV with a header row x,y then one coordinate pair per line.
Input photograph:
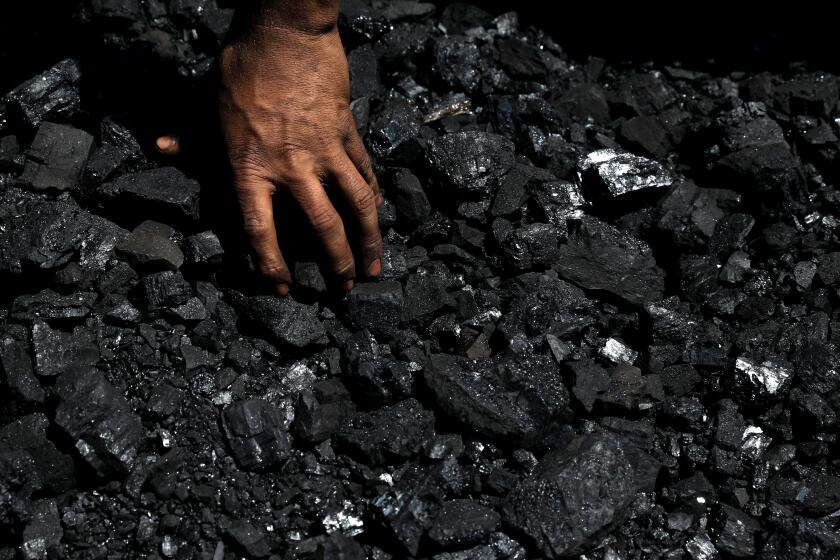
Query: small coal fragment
x,y
162,193
607,174
409,196
458,61
51,95
165,289
559,201
48,305
150,248
373,373
733,532
391,434
54,468
42,535
577,494
257,434
56,158
99,421
376,306
602,258
765,381
56,351
471,161
828,270
321,412
204,249
532,246
252,540
284,320
18,375
463,523
394,124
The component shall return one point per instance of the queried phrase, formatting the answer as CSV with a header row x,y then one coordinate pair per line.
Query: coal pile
x,y
607,325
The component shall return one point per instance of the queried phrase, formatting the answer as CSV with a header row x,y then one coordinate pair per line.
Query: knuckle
x,y
324,220
364,199
275,272
255,225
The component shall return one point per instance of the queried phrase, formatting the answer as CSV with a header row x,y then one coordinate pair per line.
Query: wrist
x,y
310,17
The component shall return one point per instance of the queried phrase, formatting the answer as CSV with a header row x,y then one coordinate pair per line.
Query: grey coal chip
x,y
257,434
606,174
252,540
42,535
47,234
463,523
53,94
165,289
56,158
532,246
120,311
734,532
601,258
828,270
283,320
308,276
559,201
17,372
321,412
147,249
364,72
204,248
767,380
163,193
458,60
471,161
97,418
398,121
577,494
408,194
57,351
391,434
55,469
19,480
810,493
376,306
48,305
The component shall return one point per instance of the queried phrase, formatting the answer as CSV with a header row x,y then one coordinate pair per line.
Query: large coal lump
x,y
576,495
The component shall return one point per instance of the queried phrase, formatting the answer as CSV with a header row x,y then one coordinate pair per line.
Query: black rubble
x,y
607,325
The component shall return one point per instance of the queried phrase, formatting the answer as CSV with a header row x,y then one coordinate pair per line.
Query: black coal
x,y
607,326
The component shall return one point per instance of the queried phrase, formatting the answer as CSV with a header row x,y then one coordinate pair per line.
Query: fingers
x,y
362,200
168,145
329,228
361,159
258,217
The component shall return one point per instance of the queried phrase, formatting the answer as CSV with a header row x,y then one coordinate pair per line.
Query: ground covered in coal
x,y
607,326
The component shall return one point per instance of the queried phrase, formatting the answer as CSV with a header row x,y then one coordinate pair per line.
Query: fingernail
x,y
375,268
166,143
282,289
347,286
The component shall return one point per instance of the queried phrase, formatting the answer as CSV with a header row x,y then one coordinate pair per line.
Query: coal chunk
x,y
376,306
165,289
54,468
393,125
734,532
471,162
463,523
48,234
505,400
204,249
532,246
391,434
321,412
284,320
607,174
770,171
18,374
42,535
51,95
56,351
578,494
458,60
601,258
163,193
99,421
409,196
56,158
257,434
761,381
150,247
48,305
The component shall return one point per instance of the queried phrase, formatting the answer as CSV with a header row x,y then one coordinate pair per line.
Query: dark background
x,y
734,35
